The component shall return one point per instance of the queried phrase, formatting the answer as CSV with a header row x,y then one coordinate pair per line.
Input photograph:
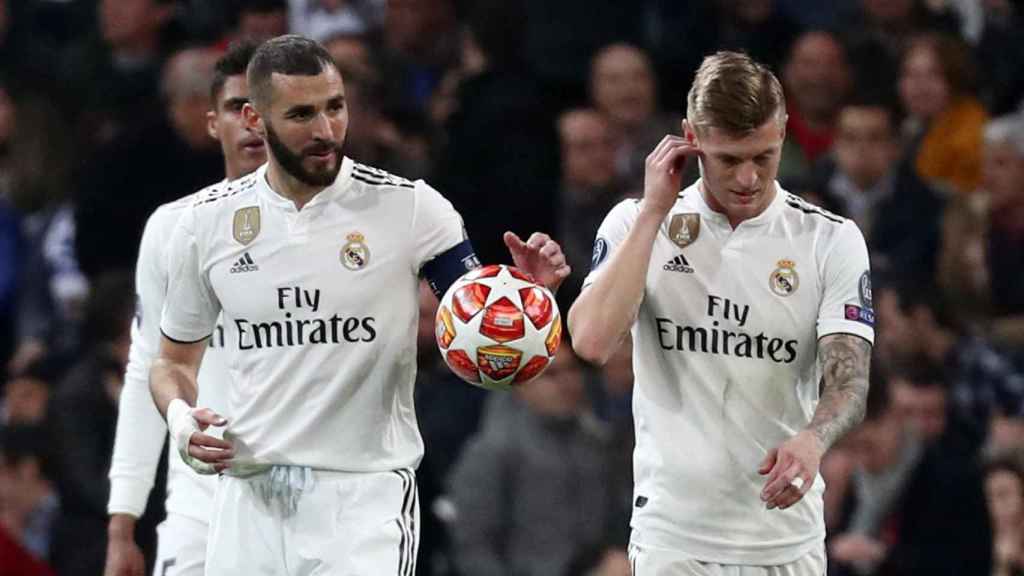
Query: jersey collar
x,y
717,218
341,184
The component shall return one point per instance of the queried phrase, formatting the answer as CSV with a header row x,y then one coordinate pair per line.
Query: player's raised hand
x,y
791,469
204,453
540,257
663,172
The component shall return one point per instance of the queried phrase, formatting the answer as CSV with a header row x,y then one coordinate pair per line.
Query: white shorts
x,y
649,562
346,524
181,546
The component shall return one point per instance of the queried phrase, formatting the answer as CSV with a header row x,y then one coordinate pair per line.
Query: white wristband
x,y
182,425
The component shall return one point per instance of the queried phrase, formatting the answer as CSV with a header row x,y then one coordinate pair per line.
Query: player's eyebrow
x,y
300,109
338,100
235,103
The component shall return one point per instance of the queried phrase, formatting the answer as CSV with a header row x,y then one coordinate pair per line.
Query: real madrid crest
x,y
355,254
784,280
684,228
246,225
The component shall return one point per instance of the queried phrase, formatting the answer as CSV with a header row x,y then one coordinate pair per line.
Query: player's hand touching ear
x,y
663,172
540,257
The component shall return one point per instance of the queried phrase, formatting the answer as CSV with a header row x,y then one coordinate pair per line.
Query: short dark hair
x,y
879,99
292,55
234,62
21,442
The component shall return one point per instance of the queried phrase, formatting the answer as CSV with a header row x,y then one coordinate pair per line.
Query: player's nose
x,y
322,127
747,176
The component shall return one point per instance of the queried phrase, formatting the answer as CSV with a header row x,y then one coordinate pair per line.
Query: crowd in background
x,y
904,115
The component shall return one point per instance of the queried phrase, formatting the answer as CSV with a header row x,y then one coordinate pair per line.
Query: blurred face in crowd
x,y
351,55
738,171
1002,172
923,86
259,26
1004,491
127,23
750,11
588,150
25,401
305,125
923,408
623,85
22,484
243,149
816,76
410,25
558,392
888,11
866,145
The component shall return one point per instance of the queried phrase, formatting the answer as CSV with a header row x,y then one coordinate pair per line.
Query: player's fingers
x,y
207,441
563,271
671,143
785,499
206,417
550,249
676,155
538,240
513,241
556,260
768,462
209,456
781,482
657,149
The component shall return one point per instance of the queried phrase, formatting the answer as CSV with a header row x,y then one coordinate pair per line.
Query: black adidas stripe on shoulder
x,y
377,177
223,190
806,207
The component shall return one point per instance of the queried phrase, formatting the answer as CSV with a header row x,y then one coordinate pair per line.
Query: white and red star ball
x,y
497,328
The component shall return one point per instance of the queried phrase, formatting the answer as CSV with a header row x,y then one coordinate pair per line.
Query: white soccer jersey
x,y
725,347
140,428
320,308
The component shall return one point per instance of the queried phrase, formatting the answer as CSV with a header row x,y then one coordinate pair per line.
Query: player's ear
x,y
689,133
253,120
211,125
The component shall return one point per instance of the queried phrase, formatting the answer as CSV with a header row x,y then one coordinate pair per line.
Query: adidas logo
x,y
678,264
244,264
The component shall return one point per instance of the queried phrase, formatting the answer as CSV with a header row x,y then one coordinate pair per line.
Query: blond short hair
x,y
734,93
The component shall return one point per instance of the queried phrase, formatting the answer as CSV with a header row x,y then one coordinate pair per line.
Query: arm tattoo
x,y
845,360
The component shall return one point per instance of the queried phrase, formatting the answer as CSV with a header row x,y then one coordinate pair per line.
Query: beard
x,y
291,161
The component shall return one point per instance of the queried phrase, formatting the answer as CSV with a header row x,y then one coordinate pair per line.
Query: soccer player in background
x,y
741,298
181,548
314,262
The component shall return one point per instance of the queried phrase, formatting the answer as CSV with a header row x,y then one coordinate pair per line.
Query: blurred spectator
x,y
530,490
944,118
35,177
589,188
759,27
114,73
420,42
256,20
322,19
26,394
499,166
817,79
624,89
439,396
131,178
982,258
25,54
1000,51
1004,490
84,416
28,502
892,524
351,52
864,180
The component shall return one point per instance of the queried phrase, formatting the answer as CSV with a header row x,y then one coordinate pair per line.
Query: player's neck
x,y
290,187
734,219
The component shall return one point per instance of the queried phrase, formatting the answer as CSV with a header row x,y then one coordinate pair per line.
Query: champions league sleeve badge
x,y
784,280
355,254
246,225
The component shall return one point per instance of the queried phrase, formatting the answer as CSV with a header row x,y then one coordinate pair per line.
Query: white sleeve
x,y
140,428
436,226
846,305
610,235
191,308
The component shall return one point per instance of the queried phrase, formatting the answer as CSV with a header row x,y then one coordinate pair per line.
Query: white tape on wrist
x,y
797,483
182,424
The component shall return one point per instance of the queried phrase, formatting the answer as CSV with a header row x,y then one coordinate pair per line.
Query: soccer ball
x,y
497,328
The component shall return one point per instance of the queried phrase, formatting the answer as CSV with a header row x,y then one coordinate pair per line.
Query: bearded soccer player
x,y
314,262
181,546
741,298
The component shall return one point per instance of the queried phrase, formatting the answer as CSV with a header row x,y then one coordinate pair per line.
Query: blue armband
x,y
444,269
